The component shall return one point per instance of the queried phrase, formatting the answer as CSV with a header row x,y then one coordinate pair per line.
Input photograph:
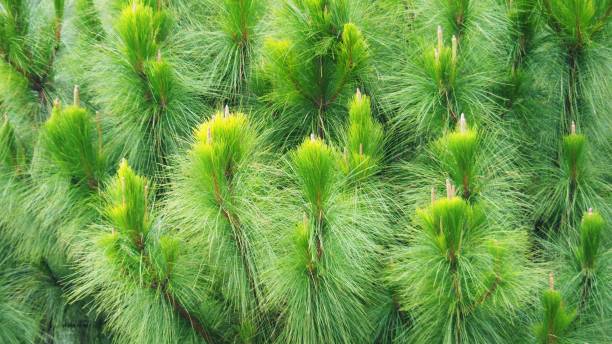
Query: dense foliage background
x,y
305,171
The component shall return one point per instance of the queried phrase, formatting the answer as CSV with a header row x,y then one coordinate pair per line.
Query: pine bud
x,y
209,135
440,38
358,94
146,195
99,130
573,128
454,49
226,111
450,189
462,123
159,55
76,94
312,137
433,195
590,211
551,281
122,181
361,149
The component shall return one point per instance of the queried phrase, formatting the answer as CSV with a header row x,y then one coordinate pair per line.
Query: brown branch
x,y
552,21
466,187
487,294
298,87
238,234
38,82
176,305
184,313
449,106
602,22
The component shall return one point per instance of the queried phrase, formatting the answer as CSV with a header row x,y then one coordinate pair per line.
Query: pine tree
x,y
142,280
463,265
451,68
217,198
159,106
311,69
227,33
322,279
30,40
556,319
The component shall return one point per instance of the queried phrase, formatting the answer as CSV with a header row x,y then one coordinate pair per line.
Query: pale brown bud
x,y
99,130
433,195
159,55
146,193
358,94
312,137
76,95
462,123
551,281
226,111
454,49
573,128
450,189
122,181
440,39
590,211
209,135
